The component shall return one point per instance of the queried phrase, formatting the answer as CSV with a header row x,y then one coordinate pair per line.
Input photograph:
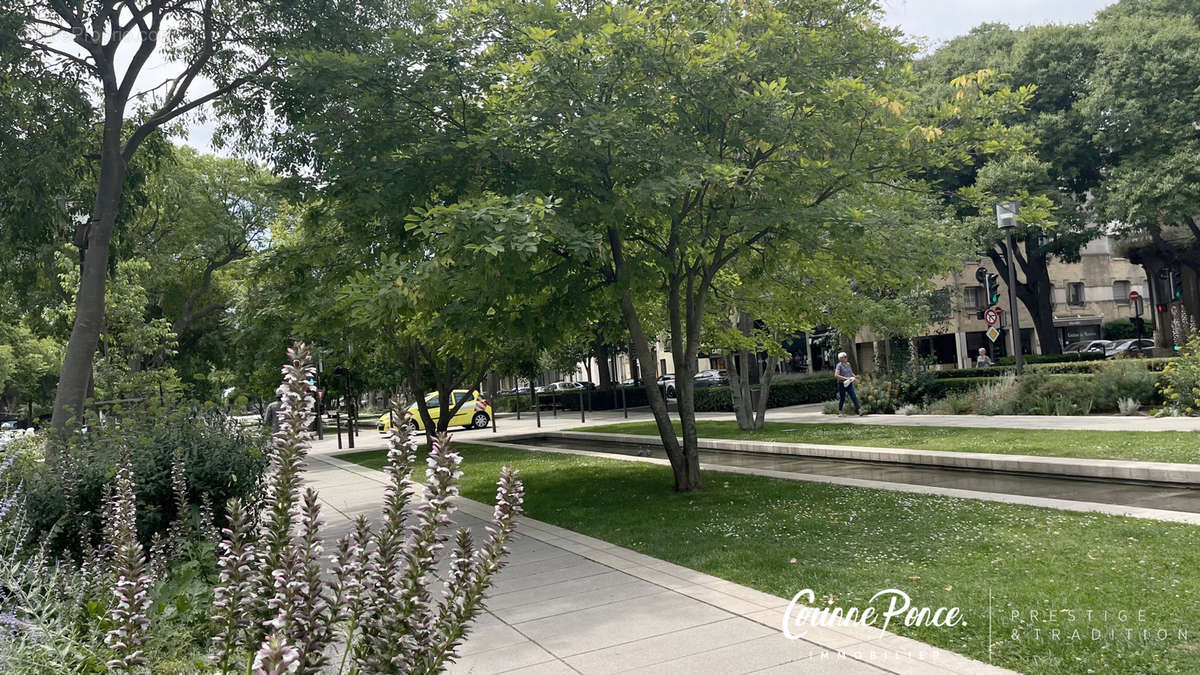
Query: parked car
x,y
631,382
1129,347
1088,346
667,384
564,387
475,413
711,378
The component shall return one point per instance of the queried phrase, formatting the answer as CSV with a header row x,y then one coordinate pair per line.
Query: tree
x,y
872,268
1141,108
1053,181
108,46
685,135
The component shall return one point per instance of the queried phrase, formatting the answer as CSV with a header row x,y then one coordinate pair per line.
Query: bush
x,y
1122,329
1067,368
1179,383
1043,394
954,404
800,391
1122,379
221,461
1052,358
995,396
279,605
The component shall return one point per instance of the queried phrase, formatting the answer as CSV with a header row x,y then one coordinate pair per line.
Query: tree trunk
x,y
604,366
1034,293
739,377
764,392
76,372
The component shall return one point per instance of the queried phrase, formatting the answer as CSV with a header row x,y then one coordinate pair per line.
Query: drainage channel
x,y
1167,498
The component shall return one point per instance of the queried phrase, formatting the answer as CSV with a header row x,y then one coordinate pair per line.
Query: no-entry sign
x,y
992,316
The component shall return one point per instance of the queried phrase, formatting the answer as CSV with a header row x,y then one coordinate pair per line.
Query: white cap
x,y
841,354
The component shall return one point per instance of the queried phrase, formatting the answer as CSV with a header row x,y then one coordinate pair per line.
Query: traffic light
x,y
992,288
1176,285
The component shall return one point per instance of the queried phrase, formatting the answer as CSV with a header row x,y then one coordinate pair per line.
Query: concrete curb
x,y
1163,473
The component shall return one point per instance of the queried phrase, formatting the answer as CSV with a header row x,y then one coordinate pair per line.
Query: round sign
x,y
992,316
1134,296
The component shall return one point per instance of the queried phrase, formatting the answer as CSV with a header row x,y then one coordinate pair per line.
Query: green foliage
x,y
1052,358
1121,329
800,391
1122,379
222,461
1179,383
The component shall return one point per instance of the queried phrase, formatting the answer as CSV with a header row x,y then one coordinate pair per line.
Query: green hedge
x,y
812,389
966,385
1069,368
1053,358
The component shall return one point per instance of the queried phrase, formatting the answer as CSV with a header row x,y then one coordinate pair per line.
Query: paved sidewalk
x,y
568,603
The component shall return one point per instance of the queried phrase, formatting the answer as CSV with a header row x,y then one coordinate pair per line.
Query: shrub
x,y
995,397
1121,379
1042,394
1179,383
799,391
1121,329
1052,358
221,461
954,404
830,408
276,609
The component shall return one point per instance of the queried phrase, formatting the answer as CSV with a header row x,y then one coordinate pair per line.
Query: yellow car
x,y
475,413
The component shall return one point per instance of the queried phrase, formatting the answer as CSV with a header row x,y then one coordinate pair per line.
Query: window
x,y
460,396
973,298
1121,291
1075,294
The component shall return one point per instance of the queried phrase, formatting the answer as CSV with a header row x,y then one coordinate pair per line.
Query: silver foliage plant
x,y
381,608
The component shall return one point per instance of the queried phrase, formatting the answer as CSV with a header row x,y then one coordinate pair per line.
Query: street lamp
x,y
1006,220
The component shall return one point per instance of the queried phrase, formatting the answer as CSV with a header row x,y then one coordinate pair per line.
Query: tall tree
x,y
111,48
1054,181
1141,106
684,135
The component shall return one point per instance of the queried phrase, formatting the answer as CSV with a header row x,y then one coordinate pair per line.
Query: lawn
x,y
1146,446
848,543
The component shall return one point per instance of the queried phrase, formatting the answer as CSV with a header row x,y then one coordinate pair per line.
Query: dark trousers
x,y
843,391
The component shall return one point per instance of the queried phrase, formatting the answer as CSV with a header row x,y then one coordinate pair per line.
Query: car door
x,y
467,411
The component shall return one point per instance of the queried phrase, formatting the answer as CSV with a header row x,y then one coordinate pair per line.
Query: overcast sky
x,y
934,21
941,20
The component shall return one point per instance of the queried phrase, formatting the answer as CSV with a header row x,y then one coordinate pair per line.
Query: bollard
x,y
554,402
537,409
624,403
337,418
582,419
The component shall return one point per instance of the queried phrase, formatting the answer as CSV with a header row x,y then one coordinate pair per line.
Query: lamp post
x,y
1006,220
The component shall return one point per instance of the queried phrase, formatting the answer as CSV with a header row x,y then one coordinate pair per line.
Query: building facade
x,y
1085,296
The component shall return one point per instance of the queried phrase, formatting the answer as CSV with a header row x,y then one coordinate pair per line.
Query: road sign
x,y
993,333
992,316
1135,299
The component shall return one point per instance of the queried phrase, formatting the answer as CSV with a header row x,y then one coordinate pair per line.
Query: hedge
x,y
1053,358
966,385
1069,368
812,389
604,399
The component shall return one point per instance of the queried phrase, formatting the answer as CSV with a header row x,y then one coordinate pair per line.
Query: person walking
x,y
844,374
983,361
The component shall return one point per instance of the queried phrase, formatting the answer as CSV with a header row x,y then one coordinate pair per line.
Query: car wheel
x,y
480,421
670,392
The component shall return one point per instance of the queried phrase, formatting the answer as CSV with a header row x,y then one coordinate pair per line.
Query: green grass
x,y
848,543
1146,446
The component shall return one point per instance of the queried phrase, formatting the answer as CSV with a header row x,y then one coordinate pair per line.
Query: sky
x,y
932,21
941,20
